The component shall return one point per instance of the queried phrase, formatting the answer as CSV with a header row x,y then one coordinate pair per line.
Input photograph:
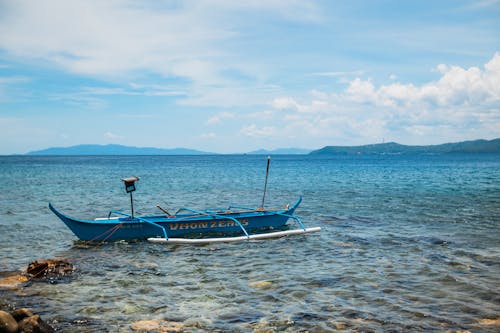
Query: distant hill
x,y
280,151
476,146
115,150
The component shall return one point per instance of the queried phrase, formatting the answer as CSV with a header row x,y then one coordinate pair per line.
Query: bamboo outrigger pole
x,y
265,184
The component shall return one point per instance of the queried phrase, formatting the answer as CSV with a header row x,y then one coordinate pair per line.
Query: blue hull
x,y
176,226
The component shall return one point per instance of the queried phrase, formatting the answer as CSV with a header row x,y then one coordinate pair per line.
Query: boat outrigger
x,y
188,225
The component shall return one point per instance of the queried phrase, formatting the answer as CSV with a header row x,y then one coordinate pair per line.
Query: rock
x,y
145,325
23,321
34,324
260,284
7,323
490,322
339,325
49,269
157,326
12,281
20,314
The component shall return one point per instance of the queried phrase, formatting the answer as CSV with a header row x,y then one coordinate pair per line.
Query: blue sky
x,y
235,76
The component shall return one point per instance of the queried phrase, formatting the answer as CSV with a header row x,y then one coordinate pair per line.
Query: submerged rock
x,y
490,322
13,281
7,323
260,284
157,326
34,324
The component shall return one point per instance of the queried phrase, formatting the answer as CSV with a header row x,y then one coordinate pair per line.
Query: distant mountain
x,y
281,151
477,146
115,150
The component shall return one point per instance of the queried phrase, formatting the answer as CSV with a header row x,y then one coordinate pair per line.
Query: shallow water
x,y
409,243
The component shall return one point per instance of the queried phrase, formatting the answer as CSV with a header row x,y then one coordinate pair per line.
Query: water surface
x,y
409,243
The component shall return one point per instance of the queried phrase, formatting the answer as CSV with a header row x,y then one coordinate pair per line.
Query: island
x,y
476,146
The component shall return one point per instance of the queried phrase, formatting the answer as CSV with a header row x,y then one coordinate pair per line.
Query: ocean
x,y
409,243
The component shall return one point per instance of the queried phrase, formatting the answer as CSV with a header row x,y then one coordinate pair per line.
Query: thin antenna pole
x,y
265,184
132,204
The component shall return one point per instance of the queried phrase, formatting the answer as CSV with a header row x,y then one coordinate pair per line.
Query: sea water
x,y
408,243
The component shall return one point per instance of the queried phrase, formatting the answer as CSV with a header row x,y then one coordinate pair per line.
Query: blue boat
x,y
188,225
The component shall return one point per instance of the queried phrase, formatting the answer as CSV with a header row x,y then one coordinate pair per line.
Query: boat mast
x,y
265,184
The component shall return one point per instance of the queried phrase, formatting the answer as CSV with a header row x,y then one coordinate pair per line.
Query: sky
x,y
235,76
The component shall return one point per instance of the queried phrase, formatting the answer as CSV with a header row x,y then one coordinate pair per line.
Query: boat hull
x,y
179,226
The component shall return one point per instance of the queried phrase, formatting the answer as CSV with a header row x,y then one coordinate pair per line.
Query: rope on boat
x,y
111,234
111,230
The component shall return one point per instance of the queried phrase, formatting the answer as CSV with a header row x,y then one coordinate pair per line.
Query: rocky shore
x,y
24,320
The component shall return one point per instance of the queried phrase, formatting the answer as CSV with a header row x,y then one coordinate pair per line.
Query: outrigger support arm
x,y
296,218
155,224
223,217
140,219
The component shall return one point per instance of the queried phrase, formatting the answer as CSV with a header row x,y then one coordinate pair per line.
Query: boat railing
x,y
240,207
118,213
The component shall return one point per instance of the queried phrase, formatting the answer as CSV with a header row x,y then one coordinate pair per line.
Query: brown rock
x,y
490,322
157,326
7,323
49,269
34,324
260,284
13,281
20,314
145,325
339,326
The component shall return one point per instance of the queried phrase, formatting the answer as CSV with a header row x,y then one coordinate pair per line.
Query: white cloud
x,y
81,100
290,104
360,91
208,136
8,83
133,90
258,132
118,38
7,80
219,117
105,38
112,136
285,103
339,73
457,87
262,115
463,102
137,116
95,98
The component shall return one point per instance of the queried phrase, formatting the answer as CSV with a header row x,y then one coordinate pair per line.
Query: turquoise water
x,y
409,243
